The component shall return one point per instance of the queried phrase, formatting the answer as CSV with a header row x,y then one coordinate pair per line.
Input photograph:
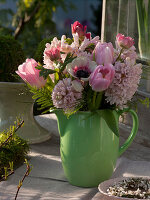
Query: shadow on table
x,y
50,147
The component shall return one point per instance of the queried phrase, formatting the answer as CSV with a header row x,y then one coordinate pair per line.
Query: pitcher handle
x,y
132,135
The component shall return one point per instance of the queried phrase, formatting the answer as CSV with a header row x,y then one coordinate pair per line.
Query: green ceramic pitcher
x,y
89,144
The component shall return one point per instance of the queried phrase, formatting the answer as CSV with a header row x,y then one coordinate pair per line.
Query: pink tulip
x,y
104,53
76,27
30,74
125,42
102,77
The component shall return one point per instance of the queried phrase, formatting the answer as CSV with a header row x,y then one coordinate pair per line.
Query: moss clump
x,y
11,56
14,150
40,49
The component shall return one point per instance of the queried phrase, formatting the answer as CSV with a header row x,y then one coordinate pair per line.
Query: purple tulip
x,y
30,74
104,53
102,77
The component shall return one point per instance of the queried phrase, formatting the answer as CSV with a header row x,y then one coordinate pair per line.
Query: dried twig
x,y
28,170
4,178
6,141
11,171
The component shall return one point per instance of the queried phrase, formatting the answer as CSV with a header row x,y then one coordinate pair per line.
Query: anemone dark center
x,y
82,74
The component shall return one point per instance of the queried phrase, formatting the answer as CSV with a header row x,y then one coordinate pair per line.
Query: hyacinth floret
x,y
65,96
125,83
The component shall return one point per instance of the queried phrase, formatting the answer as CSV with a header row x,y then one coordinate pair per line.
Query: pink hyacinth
x,y
125,42
125,83
30,74
65,95
53,53
81,48
102,77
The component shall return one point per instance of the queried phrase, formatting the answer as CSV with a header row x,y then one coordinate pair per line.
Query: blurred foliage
x,y
32,21
39,58
11,56
13,149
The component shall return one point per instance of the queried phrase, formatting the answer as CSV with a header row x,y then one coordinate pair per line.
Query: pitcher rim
x,y
85,112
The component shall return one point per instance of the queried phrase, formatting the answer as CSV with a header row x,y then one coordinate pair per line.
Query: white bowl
x,y
106,184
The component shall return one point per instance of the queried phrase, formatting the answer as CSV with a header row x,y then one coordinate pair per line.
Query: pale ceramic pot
x,y
16,101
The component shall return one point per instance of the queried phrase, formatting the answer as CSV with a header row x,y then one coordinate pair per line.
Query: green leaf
x,y
45,72
62,52
69,41
50,83
145,102
56,78
90,47
69,59
42,96
110,119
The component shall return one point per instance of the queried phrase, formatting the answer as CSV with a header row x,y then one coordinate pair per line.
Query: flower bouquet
x,y
87,84
81,73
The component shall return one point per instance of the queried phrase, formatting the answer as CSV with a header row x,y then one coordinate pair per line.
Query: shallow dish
x,y
109,183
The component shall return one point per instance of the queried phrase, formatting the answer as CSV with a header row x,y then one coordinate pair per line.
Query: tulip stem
x,y
99,100
94,99
119,54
